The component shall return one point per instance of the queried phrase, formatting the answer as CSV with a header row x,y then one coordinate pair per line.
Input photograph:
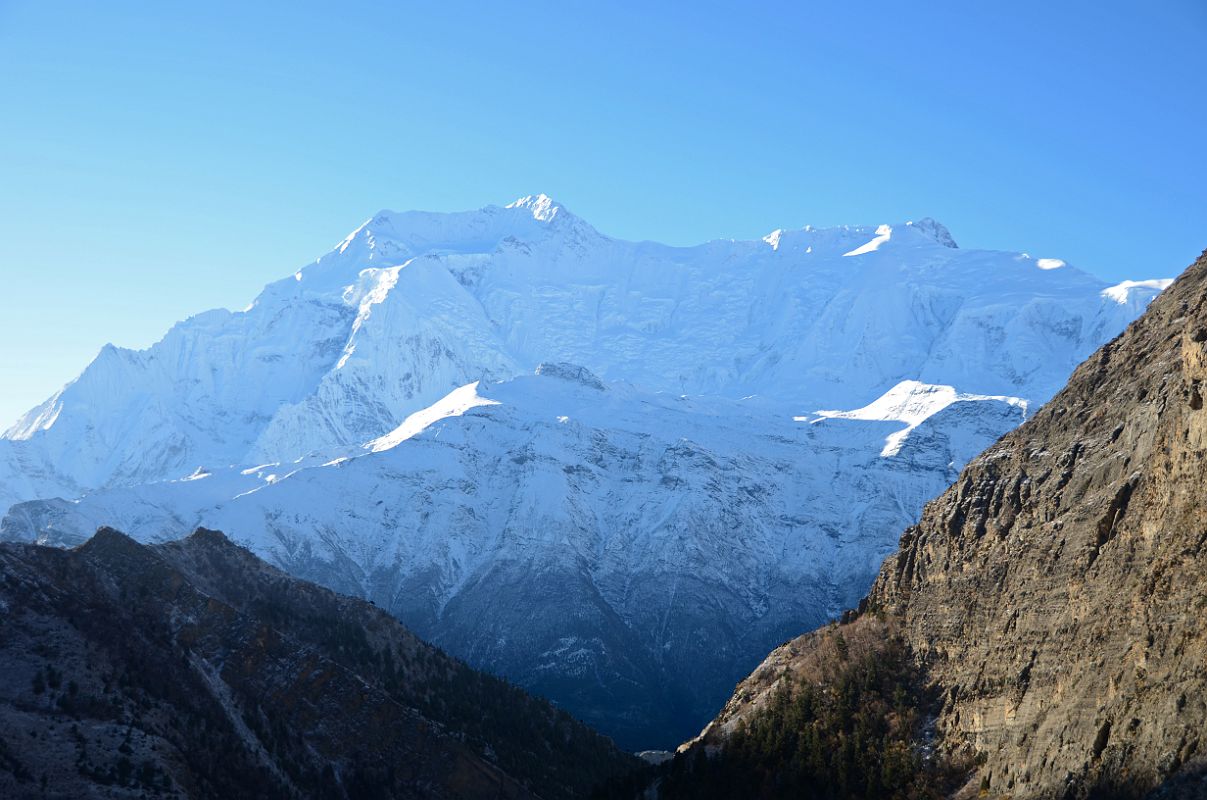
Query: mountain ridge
x,y
829,356
326,309
194,669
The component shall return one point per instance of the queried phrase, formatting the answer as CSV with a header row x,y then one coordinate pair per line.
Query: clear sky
x,y
159,159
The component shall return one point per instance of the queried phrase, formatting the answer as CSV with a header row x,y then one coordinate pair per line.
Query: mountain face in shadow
x,y
193,669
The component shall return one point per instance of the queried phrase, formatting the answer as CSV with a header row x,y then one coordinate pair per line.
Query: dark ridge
x,y
209,537
193,669
108,539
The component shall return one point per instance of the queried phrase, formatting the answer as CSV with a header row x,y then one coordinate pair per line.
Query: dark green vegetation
x,y
194,669
851,728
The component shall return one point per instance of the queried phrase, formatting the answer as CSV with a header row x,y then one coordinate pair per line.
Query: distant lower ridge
x,y
193,669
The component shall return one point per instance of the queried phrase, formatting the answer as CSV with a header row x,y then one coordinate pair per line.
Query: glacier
x,y
616,472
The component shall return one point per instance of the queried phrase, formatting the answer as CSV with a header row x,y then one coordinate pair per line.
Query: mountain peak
x,y
206,536
935,230
108,543
105,535
543,207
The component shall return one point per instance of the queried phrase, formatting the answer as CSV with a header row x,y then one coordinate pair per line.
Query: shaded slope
x,y
837,714
194,669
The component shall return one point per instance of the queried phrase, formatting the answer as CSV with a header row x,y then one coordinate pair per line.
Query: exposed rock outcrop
x,y
1057,590
1053,598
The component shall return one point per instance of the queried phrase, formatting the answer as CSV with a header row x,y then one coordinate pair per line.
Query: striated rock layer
x,y
1057,591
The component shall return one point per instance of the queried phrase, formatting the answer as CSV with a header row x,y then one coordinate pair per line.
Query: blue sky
x,y
160,159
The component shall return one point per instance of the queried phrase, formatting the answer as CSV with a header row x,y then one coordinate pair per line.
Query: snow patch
x,y
911,402
454,404
1121,292
883,234
1049,263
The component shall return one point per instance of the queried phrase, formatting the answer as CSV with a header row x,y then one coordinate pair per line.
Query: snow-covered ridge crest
x,y
883,234
1125,292
542,206
415,304
932,229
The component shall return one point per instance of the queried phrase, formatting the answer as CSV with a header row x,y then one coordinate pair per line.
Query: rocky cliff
x,y
1057,591
1052,600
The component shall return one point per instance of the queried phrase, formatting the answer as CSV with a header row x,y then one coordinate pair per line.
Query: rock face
x,y
1053,598
616,472
1057,591
193,669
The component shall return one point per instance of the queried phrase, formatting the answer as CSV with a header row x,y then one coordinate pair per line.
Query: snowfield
x,y
616,472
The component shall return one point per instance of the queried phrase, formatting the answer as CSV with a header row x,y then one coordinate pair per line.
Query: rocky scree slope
x,y
193,669
1052,599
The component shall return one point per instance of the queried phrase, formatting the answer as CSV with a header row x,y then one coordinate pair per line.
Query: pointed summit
x,y
935,230
542,206
110,543
209,537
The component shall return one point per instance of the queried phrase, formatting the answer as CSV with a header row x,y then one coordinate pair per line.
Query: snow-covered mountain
x,y
617,472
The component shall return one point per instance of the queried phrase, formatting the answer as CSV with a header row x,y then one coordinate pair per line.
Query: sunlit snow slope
x,y
617,472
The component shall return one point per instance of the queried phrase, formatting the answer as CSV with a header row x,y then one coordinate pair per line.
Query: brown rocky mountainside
x,y
1053,602
193,669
